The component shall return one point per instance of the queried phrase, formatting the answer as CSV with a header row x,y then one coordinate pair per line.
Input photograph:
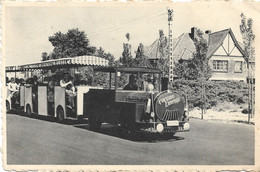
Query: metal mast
x,y
170,48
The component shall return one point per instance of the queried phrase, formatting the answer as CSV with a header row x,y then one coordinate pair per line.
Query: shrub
x,y
216,92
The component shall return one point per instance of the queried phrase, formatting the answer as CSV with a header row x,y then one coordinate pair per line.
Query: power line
x,y
119,28
127,22
123,25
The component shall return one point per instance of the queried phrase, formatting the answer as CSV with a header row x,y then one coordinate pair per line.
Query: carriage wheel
x,y
60,113
28,110
94,122
8,106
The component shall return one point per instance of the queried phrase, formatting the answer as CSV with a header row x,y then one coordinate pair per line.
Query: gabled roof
x,y
216,39
183,47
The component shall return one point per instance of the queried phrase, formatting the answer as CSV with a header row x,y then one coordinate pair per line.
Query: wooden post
x,y
248,85
110,80
115,80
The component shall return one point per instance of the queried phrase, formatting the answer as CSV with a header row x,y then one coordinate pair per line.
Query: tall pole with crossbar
x,y
170,48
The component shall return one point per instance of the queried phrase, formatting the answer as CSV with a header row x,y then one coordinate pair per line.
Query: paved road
x,y
43,141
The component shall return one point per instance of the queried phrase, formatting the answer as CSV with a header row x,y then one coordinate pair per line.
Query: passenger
x,y
70,90
35,84
7,80
132,84
149,86
144,83
22,82
14,89
50,95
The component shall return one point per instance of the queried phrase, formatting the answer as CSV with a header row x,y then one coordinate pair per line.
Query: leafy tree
x,y
140,58
163,63
71,44
198,66
44,56
101,53
163,53
246,29
126,58
200,59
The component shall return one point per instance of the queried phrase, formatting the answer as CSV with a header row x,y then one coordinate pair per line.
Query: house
x,y
225,53
226,57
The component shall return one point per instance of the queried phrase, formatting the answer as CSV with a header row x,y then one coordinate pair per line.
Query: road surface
x,y
43,141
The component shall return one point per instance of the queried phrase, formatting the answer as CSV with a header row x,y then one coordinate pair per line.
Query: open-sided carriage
x,y
42,107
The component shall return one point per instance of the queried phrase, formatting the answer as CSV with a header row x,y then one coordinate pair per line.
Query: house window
x,y
238,66
220,65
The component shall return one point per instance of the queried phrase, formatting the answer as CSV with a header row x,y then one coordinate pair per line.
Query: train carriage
x,y
60,110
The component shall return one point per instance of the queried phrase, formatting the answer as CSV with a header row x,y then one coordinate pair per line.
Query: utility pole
x,y
170,47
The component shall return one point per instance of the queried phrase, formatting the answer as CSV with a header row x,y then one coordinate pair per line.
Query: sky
x,y
27,28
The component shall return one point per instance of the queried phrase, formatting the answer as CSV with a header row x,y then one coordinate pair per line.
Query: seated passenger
x,y
70,90
14,89
149,86
50,95
132,84
35,84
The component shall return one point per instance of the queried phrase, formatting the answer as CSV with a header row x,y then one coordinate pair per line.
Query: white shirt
x,y
64,84
12,86
149,87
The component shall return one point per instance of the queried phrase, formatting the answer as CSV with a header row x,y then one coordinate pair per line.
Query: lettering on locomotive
x,y
169,100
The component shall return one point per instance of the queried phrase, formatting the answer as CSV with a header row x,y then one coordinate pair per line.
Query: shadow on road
x,y
108,129
119,132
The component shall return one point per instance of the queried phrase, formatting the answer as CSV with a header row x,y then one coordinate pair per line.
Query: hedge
x,y
215,91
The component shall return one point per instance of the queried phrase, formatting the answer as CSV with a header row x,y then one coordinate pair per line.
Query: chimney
x,y
193,33
208,32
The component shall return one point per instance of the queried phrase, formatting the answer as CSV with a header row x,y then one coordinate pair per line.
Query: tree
x,y
71,44
200,59
44,56
198,66
126,58
246,29
140,58
101,53
163,53
162,62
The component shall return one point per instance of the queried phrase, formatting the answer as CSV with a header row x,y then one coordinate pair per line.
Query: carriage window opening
x,y
220,65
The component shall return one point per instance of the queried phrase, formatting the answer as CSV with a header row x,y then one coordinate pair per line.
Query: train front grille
x,y
170,115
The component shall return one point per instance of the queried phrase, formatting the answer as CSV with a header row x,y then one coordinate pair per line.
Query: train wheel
x,y
28,110
94,122
8,106
60,114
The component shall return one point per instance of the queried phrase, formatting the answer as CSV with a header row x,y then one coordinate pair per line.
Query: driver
x,y
132,84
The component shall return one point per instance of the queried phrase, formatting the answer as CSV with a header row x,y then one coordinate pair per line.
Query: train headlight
x,y
159,128
186,126
152,114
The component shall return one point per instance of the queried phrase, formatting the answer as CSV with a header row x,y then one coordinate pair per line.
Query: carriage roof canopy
x,y
61,63
127,69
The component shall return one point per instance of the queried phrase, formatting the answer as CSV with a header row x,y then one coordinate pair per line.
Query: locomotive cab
x,y
136,109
